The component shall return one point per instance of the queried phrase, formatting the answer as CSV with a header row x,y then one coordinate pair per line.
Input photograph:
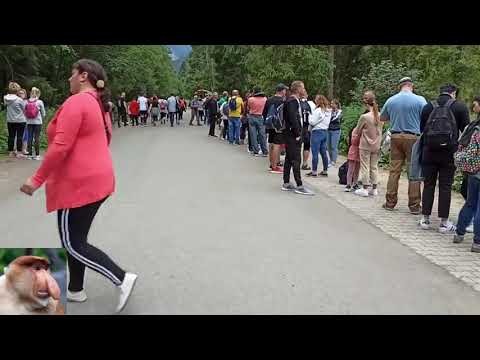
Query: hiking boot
x,y
475,248
457,239
424,224
447,228
288,187
306,167
302,191
361,192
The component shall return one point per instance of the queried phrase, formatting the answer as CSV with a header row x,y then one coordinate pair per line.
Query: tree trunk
x,y
331,79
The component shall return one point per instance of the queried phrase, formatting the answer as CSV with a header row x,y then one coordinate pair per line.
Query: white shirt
x,y
312,105
172,104
319,120
143,102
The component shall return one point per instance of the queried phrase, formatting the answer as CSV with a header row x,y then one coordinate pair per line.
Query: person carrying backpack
x,y
466,158
34,113
441,122
236,109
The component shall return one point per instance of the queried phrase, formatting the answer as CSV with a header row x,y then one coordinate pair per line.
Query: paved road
x,y
209,232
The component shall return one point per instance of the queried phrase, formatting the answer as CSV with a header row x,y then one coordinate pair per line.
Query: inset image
x,y
33,281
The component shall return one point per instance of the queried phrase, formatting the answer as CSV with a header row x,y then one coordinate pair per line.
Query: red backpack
x,y
31,110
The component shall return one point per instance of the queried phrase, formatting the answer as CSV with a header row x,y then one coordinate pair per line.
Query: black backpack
x,y
441,128
342,173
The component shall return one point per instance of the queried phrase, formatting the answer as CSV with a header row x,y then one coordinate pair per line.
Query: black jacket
x,y
462,118
211,107
291,113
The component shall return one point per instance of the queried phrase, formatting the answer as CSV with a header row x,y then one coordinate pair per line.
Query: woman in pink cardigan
x,y
78,174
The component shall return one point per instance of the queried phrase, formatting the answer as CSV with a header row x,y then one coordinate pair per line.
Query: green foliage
x,y
129,68
382,78
7,255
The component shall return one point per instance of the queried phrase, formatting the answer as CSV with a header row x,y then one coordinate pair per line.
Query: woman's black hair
x,y
96,75
477,99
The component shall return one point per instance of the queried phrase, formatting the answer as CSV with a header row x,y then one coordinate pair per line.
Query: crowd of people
x,y
432,138
24,121
156,110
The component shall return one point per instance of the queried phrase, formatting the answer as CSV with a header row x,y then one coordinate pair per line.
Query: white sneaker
x,y
361,192
424,224
373,192
470,229
447,228
38,158
77,296
125,290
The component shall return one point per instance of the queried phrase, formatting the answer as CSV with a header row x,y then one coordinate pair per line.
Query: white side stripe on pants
x,y
79,257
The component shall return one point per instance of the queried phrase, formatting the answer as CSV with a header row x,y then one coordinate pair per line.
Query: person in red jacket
x,y
134,111
78,183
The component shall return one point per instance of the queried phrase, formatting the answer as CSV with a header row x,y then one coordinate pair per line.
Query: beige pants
x,y
368,167
400,154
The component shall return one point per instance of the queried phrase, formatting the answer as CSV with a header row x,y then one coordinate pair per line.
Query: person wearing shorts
x,y
275,139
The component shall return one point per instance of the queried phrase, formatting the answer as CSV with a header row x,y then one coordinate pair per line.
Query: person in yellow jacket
x,y
236,107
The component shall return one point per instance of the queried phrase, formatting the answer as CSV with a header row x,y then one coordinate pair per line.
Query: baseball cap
x,y
404,80
281,87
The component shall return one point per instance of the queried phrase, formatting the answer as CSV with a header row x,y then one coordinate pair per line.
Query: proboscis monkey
x,y
28,288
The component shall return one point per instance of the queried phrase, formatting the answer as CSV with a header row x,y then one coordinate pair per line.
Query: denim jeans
x,y
333,137
234,130
470,210
257,132
318,143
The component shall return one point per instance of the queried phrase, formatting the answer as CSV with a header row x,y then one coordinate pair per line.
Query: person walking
x,y
334,132
134,111
293,139
194,105
122,109
369,129
143,103
16,120
34,113
236,108
255,105
212,107
403,111
201,111
154,110
441,122
172,108
77,184
319,122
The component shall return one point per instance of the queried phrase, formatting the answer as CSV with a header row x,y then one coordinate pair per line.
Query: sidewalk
x,y
403,226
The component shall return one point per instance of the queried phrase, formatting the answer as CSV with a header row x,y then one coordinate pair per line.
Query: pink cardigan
x,y
77,167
